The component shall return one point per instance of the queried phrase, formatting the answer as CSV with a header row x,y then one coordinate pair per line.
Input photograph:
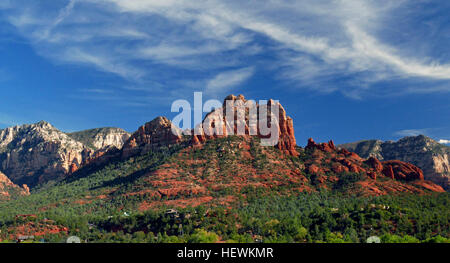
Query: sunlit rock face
x,y
152,135
284,124
36,153
101,138
9,190
430,156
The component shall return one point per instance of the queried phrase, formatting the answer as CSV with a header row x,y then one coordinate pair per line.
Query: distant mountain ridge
x,y
36,153
101,137
429,155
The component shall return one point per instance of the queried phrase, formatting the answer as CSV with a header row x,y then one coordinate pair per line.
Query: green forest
x,y
321,217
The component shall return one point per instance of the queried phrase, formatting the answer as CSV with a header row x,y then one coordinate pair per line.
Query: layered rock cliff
x,y
36,153
32,154
216,120
101,138
433,158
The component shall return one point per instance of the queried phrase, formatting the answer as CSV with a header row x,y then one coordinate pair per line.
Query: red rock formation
x,y
313,169
375,164
430,186
354,168
286,139
152,135
344,152
325,147
8,188
372,175
402,171
311,144
339,168
345,161
388,171
331,144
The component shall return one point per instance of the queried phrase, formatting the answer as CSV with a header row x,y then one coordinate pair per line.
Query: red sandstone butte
x,y
286,139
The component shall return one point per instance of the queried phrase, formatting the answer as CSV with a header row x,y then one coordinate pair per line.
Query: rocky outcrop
x,y
155,134
346,161
101,138
102,144
374,163
152,136
326,147
286,141
36,153
217,121
10,190
402,171
430,156
33,154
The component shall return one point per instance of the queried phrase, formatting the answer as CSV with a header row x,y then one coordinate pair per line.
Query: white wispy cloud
x,y
311,43
224,81
369,47
444,141
63,14
411,132
102,61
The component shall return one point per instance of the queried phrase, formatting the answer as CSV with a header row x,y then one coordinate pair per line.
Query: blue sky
x,y
344,70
